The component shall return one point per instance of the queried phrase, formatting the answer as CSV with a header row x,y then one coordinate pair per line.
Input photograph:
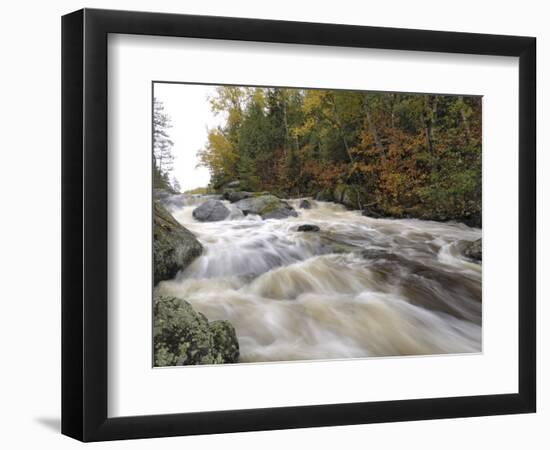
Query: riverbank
x,y
357,198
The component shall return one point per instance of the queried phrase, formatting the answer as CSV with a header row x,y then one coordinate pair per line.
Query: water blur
x,y
361,287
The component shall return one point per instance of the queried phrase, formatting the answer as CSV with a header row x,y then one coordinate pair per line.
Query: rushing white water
x,y
360,287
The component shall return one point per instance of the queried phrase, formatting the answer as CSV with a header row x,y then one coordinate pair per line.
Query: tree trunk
x,y
374,131
285,120
464,118
427,122
341,129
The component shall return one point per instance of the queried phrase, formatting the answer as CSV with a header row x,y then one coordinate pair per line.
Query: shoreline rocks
x,y
174,246
183,336
355,197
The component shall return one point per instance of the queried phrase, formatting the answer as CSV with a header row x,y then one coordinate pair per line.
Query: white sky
x,y
188,107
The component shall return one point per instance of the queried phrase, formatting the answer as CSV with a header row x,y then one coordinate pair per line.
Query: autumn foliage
x,y
415,155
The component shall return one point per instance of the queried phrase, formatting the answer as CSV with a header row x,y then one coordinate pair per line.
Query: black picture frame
x,y
84,224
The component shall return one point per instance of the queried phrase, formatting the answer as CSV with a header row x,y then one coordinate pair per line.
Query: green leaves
x,y
412,154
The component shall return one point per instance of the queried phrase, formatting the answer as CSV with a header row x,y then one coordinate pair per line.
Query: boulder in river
x,y
308,227
267,206
174,246
472,250
211,211
305,204
235,196
183,336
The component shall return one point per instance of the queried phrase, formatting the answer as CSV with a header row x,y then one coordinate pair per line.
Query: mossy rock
x,y
174,246
338,192
183,336
267,206
325,196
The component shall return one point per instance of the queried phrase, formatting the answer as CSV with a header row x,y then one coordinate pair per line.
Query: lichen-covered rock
x,y
211,211
267,206
305,204
183,336
174,246
473,250
224,340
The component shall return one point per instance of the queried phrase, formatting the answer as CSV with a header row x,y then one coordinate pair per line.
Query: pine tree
x,y
163,160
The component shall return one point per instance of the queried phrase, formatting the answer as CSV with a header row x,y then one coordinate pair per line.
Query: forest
x,y
301,247
390,154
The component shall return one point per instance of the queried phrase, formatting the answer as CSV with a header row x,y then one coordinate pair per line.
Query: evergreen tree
x,y
163,158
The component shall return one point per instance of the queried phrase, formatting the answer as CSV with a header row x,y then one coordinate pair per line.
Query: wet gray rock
x,y
267,206
174,246
370,212
305,204
422,284
235,196
308,227
183,336
211,211
473,250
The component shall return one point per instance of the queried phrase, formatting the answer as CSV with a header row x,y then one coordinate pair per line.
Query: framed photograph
x,y
273,224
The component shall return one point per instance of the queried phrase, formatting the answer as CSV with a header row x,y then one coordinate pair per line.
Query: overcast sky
x,y
188,107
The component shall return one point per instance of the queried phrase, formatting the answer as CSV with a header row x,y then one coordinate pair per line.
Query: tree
x,y
163,159
404,154
220,157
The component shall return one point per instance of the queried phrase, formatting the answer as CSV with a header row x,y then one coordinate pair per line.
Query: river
x,y
360,287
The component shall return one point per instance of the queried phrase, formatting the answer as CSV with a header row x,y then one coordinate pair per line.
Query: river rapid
x,y
360,287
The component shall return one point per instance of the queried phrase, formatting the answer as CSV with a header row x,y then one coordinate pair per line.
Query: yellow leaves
x,y
360,167
307,126
312,100
219,156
